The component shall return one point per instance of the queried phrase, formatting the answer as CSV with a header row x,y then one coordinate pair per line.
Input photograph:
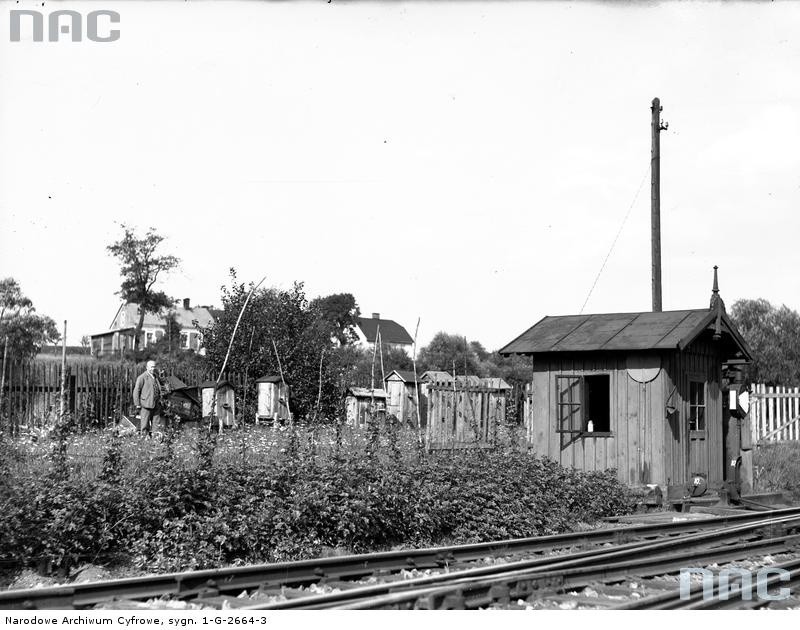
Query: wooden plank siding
x,y
646,444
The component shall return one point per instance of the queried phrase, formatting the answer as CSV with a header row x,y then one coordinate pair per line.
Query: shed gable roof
x,y
365,392
668,330
391,331
405,375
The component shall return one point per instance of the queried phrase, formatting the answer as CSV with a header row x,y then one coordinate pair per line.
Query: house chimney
x,y
376,316
186,304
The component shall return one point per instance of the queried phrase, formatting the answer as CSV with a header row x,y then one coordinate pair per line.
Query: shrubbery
x,y
165,507
777,468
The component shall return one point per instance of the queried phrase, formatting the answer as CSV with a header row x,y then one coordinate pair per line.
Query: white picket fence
x,y
774,413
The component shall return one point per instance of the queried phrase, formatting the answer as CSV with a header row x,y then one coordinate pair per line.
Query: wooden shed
x,y
464,411
639,392
273,400
225,408
401,389
361,402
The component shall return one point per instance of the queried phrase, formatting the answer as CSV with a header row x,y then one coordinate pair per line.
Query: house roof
x,y
212,384
128,315
174,382
365,392
112,331
406,375
668,330
272,378
391,331
495,383
445,378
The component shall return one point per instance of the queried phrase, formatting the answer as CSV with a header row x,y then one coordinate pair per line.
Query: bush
x,y
777,467
180,505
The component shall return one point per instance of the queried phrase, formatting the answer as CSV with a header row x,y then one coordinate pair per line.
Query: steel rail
x,y
408,590
477,594
696,600
212,582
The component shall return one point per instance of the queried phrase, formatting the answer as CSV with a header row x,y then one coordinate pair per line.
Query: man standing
x,y
147,397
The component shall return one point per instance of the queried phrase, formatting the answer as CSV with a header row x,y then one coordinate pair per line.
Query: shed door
x,y
697,430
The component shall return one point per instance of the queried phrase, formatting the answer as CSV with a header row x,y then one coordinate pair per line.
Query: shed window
x,y
697,406
584,403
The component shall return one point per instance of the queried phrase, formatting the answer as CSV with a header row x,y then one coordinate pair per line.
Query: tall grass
x,y
777,468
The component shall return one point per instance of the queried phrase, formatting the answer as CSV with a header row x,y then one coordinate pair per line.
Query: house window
x,y
584,403
149,338
185,341
697,406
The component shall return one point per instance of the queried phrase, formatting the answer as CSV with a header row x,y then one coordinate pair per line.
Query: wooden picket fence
x,y
774,413
97,393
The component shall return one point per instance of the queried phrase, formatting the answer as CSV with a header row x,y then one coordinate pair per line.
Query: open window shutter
x,y
569,401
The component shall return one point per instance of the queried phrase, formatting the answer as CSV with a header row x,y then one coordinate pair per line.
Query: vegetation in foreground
x,y
262,495
777,468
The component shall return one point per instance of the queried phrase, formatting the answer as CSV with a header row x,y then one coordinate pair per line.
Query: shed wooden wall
x,y
646,446
702,358
272,403
225,397
635,447
402,400
357,410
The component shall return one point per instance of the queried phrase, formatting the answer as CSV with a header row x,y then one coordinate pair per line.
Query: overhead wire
x,y
616,238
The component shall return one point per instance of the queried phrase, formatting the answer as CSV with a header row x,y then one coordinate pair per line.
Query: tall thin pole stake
x,y
62,405
416,385
655,202
3,375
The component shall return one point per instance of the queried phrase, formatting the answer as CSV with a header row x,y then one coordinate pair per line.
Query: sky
x,y
466,163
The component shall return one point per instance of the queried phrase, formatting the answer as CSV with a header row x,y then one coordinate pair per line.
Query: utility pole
x,y
655,202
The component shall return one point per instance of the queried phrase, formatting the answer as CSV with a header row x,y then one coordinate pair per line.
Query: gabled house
x,y
120,335
392,334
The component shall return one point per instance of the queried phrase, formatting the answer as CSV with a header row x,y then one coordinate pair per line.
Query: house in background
x,y
392,334
119,336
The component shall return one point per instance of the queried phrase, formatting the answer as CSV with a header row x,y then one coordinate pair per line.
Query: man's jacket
x,y
145,392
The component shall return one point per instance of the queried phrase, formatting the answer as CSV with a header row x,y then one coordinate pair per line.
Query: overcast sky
x,y
466,163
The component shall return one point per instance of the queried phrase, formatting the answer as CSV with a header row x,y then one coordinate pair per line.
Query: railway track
x,y
454,580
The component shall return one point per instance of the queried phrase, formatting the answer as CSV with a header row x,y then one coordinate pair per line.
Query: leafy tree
x,y
337,316
773,335
281,320
25,329
140,266
357,364
446,350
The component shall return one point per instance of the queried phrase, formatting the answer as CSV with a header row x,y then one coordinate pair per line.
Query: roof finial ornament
x,y
718,306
